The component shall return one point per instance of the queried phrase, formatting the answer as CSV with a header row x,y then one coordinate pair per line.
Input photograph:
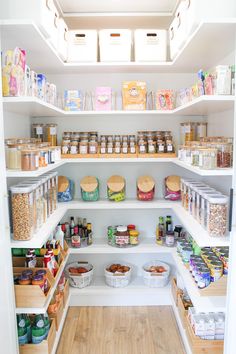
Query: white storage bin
x,y
156,280
118,280
62,44
54,34
42,13
177,31
82,46
150,45
200,10
79,280
173,39
115,45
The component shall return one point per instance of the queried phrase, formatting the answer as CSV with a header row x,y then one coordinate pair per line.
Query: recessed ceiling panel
x,y
117,5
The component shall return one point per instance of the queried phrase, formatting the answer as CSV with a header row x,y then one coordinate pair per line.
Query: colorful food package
x,y
65,189
165,100
116,188
134,95
103,99
73,100
145,188
13,72
172,188
89,186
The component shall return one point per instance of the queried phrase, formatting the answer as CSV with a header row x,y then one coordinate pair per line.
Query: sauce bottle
x,y
29,260
89,234
160,231
72,226
168,224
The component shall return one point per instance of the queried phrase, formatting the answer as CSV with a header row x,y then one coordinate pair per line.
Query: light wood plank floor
x,y
120,330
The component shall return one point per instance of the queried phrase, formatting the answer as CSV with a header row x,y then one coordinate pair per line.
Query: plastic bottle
x,y
28,327
46,323
59,236
38,329
160,231
22,330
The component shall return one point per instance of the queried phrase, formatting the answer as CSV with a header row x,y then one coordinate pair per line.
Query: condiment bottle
x,y
72,226
22,330
48,262
59,236
89,234
38,330
170,239
168,224
160,231
29,260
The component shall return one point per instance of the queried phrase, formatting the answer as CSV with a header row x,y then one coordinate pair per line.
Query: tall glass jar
x,y
224,155
38,131
51,134
208,159
13,156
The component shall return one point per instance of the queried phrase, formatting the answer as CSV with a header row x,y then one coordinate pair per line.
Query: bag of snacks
x,y
89,189
65,189
134,95
172,188
165,100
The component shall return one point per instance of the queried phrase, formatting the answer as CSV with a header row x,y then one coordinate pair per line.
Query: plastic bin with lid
x,y
82,46
115,45
62,43
217,215
42,13
150,44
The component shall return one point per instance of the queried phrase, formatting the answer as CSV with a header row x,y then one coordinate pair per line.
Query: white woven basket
x,y
118,280
80,280
155,280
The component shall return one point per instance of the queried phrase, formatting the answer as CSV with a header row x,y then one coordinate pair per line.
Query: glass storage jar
x,y
224,155
93,147
217,210
23,206
142,146
103,147
65,146
43,157
38,131
200,202
13,156
201,131
208,159
83,147
29,160
74,146
51,134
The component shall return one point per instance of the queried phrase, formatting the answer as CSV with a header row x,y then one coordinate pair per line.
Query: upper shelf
x,y
199,52
35,107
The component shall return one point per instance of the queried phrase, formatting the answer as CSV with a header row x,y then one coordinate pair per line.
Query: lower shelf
x,y
135,294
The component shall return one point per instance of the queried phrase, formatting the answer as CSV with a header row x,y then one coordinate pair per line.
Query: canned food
x,y
187,252
211,259
216,270
193,260
225,261
111,235
196,266
203,278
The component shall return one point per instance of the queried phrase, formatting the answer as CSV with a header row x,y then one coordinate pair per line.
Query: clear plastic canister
x,y
204,195
23,209
13,156
198,201
29,160
217,211
193,187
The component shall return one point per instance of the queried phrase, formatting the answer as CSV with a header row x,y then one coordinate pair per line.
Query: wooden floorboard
x,y
120,330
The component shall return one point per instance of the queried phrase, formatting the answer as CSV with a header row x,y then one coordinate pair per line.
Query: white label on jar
x,y
73,150
169,148
125,150
151,148
110,150
103,150
46,158
117,150
92,149
132,149
37,161
65,149
142,148
39,130
161,148
53,130
83,149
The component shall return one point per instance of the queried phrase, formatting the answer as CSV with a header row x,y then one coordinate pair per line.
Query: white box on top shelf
x,y
115,45
82,46
42,13
53,39
150,45
62,43
177,30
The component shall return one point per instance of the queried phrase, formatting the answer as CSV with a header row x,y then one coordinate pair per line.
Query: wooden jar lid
x,y
89,183
173,183
145,183
116,183
63,184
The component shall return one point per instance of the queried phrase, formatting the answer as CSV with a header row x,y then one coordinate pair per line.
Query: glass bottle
x,y
168,224
22,330
160,231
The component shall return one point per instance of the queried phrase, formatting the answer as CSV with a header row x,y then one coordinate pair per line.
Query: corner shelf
x,y
205,173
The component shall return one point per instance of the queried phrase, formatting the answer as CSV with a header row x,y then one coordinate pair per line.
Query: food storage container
x,y
39,207
51,134
208,159
23,208
174,38
82,46
89,186
224,155
203,208
29,160
150,45
79,280
116,188
145,188
38,131
42,13
62,43
117,279
156,279
13,156
201,131
115,45
217,213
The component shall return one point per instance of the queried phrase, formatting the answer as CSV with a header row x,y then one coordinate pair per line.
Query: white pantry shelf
x,y
200,172
202,303
200,235
100,246
42,57
39,310
35,107
37,173
59,332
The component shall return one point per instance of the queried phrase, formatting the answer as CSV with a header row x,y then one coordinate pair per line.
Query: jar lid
x,y
63,184
202,191
173,183
27,188
89,183
145,183
133,233
131,227
116,183
38,277
121,228
217,199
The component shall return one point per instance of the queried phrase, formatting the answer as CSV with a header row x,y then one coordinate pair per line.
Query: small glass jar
x,y
57,153
151,147
122,236
169,146
74,146
132,147
133,237
29,160
83,147
51,134
65,146
208,159
224,155
43,157
160,147
117,147
142,146
13,156
93,147
38,131
125,147
110,149
103,147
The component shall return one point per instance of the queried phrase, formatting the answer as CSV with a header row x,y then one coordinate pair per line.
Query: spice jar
x,y
132,147
89,186
142,146
125,147
65,146
38,131
217,208
117,147
23,206
93,147
110,147
83,147
74,147
122,236
51,134
145,188
103,147
133,237
160,147
116,188
29,160
151,146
